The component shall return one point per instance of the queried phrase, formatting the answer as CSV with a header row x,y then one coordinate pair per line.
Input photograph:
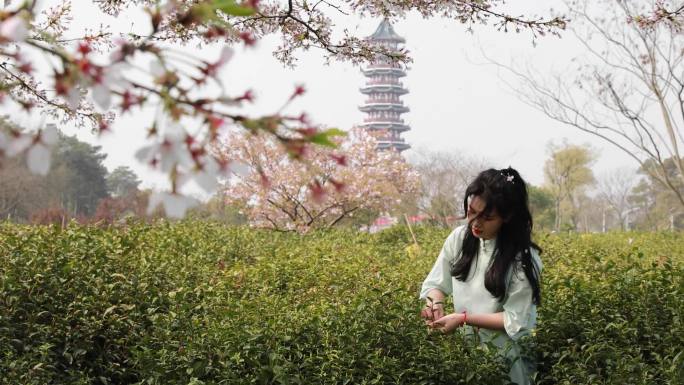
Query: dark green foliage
x,y
200,303
541,203
613,310
122,182
79,175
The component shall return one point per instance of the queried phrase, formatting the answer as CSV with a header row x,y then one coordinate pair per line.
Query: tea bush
x,y
200,303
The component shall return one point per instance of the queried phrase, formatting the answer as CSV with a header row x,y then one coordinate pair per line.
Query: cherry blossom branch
x,y
337,7
674,19
41,95
88,38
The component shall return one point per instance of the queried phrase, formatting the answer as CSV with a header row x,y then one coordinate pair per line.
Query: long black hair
x,y
506,192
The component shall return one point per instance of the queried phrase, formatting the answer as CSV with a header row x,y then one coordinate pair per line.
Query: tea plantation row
x,y
199,303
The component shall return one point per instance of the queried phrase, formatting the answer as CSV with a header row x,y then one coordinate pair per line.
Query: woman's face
x,y
486,226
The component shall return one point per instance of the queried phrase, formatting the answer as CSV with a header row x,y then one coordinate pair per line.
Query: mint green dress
x,y
519,311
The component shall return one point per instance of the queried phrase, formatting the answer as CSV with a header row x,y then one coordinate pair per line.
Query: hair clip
x,y
509,178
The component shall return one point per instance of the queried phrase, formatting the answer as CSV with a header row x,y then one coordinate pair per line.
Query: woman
x,y
492,269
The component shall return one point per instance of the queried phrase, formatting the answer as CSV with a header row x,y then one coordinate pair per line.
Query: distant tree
x,y
50,216
444,177
567,174
75,183
614,188
113,209
78,175
21,191
276,191
657,206
589,216
541,202
122,181
217,209
361,219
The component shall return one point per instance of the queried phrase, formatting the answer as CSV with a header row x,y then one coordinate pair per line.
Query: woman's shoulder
x,y
459,230
453,242
534,257
516,272
457,234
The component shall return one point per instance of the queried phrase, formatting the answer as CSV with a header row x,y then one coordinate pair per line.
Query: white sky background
x,y
456,103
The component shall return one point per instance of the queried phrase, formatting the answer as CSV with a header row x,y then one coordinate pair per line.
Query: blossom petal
x,y
14,29
118,53
207,181
145,154
113,75
226,54
38,159
19,144
102,96
176,205
157,69
208,178
73,98
173,131
49,135
154,201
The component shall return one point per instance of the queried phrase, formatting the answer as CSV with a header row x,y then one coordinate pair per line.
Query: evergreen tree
x,y
78,175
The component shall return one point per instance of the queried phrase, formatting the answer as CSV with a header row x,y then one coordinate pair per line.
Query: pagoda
x,y
383,90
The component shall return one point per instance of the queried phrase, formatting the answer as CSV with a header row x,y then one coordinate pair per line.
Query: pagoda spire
x,y
383,106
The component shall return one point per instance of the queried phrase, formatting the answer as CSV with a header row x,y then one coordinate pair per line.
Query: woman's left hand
x,y
448,323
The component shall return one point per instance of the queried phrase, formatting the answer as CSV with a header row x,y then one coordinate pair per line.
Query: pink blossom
x,y
166,153
206,176
37,145
19,143
247,38
109,77
279,192
14,29
247,96
226,54
175,205
298,91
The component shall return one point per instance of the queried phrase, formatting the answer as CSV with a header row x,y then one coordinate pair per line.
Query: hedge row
x,y
200,303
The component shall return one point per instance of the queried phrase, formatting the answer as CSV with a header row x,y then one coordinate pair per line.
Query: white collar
x,y
487,245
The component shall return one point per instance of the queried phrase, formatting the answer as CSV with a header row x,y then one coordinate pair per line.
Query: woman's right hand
x,y
449,323
432,312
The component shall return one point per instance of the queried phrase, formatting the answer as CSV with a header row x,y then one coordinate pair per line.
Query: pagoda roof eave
x,y
385,31
398,72
399,146
372,88
384,107
381,126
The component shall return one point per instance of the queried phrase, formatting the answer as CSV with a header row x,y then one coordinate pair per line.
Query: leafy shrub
x,y
201,303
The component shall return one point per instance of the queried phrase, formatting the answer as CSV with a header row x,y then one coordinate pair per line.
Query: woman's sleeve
x,y
440,275
518,308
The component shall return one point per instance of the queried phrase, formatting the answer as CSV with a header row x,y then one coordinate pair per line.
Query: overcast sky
x,y
457,103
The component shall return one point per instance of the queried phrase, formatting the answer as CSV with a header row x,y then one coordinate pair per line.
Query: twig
x,y
411,230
